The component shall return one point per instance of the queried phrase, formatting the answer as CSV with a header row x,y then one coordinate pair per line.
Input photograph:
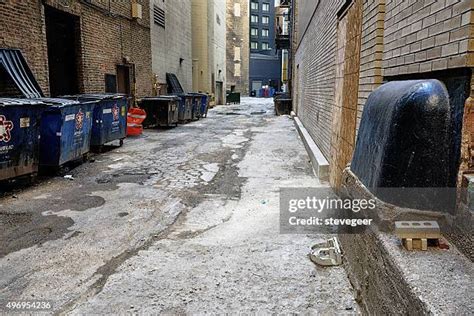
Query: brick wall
x,y
107,35
238,52
315,59
399,37
424,36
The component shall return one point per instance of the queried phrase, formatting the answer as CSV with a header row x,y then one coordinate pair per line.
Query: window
x,y
159,16
265,19
265,46
237,72
254,31
266,7
237,53
265,33
254,5
254,45
237,9
254,18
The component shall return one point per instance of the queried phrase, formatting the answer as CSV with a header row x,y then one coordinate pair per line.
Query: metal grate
x,y
159,16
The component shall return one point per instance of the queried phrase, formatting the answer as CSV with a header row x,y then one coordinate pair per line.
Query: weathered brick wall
x,y
22,26
238,40
424,36
371,54
315,60
108,34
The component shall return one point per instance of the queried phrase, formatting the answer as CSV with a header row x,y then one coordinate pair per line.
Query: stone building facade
x,y
345,49
171,41
238,52
81,46
209,47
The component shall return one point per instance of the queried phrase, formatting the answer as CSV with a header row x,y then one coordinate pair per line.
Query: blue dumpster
x,y
19,137
110,117
65,131
197,100
204,104
185,109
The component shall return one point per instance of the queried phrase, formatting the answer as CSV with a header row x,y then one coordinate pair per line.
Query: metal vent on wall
x,y
159,16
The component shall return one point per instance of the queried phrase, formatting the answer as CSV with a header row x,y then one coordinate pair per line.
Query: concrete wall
x,y
238,52
104,39
209,45
170,44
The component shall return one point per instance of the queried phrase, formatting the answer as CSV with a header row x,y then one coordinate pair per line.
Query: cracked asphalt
x,y
178,221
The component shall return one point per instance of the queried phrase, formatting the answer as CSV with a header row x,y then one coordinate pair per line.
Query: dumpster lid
x,y
19,101
174,86
57,102
162,98
97,96
14,68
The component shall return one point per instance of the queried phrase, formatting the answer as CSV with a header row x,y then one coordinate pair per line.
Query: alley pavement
x,y
182,220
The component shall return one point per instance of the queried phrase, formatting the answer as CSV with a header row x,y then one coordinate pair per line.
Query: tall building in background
x,y
238,52
265,61
171,48
209,47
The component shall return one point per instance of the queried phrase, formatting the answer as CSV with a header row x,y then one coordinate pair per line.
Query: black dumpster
x,y
110,117
161,111
233,97
283,104
19,137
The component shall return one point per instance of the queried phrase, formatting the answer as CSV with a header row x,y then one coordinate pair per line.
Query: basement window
x,y
159,16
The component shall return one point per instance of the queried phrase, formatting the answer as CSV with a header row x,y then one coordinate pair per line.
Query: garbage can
x,y
161,111
109,119
185,112
19,137
197,101
65,131
283,104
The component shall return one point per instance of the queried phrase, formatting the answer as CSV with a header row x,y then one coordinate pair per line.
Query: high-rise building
x,y
265,61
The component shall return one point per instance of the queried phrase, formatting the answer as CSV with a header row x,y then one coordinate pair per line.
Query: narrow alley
x,y
177,221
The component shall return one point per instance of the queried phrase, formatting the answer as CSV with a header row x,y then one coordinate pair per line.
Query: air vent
x,y
159,16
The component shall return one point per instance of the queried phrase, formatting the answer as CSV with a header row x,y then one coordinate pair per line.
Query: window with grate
x,y
159,16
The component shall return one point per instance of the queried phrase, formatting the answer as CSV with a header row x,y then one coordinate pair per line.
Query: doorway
x,y
63,41
219,93
123,79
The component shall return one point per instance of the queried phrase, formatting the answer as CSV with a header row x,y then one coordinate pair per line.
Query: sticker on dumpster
x,y
124,111
79,120
106,111
70,117
115,112
24,122
6,128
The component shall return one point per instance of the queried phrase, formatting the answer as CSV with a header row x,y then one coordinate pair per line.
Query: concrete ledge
x,y
319,162
391,280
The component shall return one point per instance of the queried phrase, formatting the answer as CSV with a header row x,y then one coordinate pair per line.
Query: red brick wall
x,y
107,36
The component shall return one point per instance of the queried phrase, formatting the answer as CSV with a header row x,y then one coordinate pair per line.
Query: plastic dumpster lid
x,y
19,101
162,98
98,96
15,65
57,102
